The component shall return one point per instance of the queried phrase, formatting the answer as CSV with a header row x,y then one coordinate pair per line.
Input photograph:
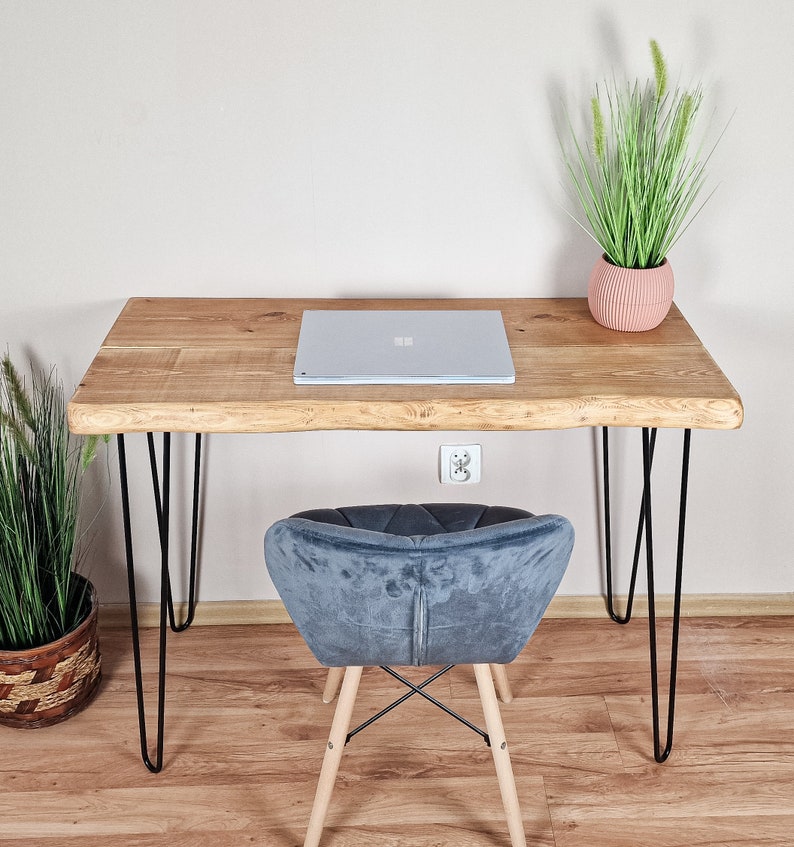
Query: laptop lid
x,y
394,347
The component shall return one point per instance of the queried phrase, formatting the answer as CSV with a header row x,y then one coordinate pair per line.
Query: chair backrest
x,y
394,596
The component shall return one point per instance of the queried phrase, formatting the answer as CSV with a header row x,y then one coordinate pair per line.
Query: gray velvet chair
x,y
435,584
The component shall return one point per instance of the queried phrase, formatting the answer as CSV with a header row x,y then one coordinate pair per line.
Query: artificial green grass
x,y
636,180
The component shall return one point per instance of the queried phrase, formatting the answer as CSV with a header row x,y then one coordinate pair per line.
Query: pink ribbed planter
x,y
630,299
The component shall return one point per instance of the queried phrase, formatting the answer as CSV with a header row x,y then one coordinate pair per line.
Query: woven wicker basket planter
x,y
46,685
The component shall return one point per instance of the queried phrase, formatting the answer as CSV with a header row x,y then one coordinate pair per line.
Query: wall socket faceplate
x,y
459,464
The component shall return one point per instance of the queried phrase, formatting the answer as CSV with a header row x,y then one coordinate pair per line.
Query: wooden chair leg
x,y
501,757
333,754
503,688
332,683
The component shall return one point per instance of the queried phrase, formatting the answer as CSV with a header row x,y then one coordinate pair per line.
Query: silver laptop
x,y
394,347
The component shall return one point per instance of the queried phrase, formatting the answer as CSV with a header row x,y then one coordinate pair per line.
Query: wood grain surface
x,y
225,365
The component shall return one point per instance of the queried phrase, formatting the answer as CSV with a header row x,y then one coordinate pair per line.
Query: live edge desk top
x,y
225,365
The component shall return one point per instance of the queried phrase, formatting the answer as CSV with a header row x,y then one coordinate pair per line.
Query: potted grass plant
x,y
637,183
49,649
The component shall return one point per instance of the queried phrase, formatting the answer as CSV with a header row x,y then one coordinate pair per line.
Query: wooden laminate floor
x,y
246,729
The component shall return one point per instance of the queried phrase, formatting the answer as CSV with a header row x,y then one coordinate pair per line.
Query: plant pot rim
x,y
629,268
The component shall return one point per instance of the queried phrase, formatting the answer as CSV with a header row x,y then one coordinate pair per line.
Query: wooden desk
x,y
225,365
218,365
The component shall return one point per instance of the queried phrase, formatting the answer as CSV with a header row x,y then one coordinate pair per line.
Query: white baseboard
x,y
242,612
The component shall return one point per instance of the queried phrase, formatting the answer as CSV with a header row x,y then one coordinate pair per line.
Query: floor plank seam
x,y
615,735
548,812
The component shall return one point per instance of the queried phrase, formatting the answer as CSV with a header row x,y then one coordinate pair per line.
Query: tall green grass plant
x,y
41,469
635,178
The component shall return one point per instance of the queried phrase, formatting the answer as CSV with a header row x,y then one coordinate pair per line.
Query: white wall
x,y
371,147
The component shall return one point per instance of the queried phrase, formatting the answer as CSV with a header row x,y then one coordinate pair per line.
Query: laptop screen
x,y
413,347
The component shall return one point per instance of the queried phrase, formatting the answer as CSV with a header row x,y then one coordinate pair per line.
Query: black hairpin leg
x,y
645,530
191,604
608,537
162,505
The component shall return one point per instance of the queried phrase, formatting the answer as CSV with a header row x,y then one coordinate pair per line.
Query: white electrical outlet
x,y
459,464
